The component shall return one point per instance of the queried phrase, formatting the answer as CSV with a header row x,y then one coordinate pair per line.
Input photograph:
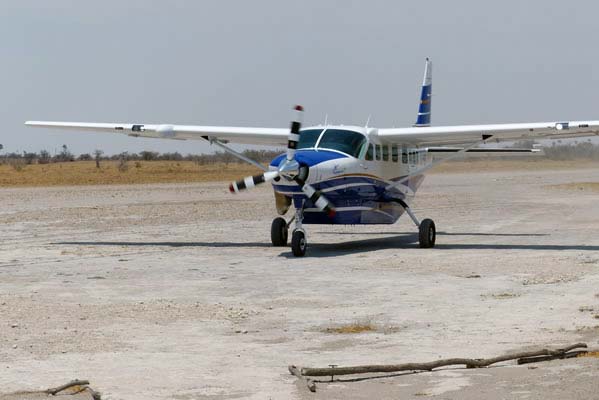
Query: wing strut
x,y
237,154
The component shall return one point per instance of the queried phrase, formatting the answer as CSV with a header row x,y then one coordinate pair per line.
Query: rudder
x,y
424,110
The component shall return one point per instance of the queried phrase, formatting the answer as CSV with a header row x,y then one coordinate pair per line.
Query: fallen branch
x,y
309,382
429,366
76,382
570,354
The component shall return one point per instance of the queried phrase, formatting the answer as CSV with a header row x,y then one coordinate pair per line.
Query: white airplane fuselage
x,y
361,184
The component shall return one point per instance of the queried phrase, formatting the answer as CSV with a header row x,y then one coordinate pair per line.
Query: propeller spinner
x,y
289,169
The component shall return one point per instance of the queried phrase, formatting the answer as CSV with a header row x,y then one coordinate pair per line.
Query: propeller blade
x,y
319,199
251,181
294,132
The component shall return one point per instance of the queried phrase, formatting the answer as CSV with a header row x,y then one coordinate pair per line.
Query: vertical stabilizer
x,y
424,110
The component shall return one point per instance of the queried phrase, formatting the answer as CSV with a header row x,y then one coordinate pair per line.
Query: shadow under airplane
x,y
399,240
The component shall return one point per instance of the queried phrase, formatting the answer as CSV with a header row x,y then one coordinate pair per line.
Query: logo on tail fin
x,y
424,110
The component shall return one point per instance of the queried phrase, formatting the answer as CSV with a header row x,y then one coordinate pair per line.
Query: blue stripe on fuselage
x,y
310,157
349,192
354,181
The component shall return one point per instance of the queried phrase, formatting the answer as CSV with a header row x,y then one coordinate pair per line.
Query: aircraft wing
x,y
259,136
444,135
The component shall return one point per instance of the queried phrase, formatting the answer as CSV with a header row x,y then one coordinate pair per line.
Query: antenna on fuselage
x,y
326,119
368,120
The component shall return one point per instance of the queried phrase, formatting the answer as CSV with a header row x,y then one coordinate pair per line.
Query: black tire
x,y
427,234
278,232
298,243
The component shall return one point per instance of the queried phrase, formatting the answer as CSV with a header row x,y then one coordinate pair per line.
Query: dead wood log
x,y
76,382
309,382
429,366
570,354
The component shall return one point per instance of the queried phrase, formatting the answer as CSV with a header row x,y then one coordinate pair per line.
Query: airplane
x,y
349,175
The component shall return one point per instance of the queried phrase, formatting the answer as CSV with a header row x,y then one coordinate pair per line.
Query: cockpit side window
x,y
348,142
308,138
370,152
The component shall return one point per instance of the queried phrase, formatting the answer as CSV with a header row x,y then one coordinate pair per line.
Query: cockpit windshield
x,y
348,142
308,138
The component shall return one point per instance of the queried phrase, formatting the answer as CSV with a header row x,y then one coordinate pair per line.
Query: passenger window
x,y
404,157
394,153
385,152
370,153
378,152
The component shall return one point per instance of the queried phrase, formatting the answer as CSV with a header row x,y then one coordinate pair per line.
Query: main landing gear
x,y
427,233
279,233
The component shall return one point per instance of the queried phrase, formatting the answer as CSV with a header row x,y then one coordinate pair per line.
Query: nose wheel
x,y
298,243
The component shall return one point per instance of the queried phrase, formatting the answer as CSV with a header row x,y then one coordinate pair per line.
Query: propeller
x,y
290,169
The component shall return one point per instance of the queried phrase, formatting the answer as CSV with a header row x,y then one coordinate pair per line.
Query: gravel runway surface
x,y
174,291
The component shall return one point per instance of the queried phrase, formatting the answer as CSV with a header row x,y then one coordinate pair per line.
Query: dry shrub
x,y
18,164
352,328
123,165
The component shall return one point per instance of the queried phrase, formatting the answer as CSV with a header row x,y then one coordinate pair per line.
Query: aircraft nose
x,y
313,158
310,158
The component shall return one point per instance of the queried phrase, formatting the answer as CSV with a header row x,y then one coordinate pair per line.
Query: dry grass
x,y
352,328
500,296
86,173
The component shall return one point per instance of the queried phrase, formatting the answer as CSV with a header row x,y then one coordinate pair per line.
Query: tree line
x,y
65,155
558,151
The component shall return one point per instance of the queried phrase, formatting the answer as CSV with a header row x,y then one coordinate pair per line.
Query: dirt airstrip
x,y
173,291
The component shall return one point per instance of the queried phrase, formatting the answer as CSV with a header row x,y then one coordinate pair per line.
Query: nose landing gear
x,y
279,232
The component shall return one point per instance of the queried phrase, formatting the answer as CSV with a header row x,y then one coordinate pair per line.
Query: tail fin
x,y
424,110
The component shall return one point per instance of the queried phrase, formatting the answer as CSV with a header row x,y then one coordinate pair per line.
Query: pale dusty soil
x,y
174,291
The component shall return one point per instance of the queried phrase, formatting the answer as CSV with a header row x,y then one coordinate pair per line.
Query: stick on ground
x,y
76,382
429,366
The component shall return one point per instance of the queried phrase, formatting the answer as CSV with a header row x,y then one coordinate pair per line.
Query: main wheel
x,y
278,232
427,234
298,243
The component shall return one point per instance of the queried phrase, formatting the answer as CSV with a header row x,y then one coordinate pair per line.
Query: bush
x,y
18,164
44,157
583,150
30,158
123,166
170,157
98,157
148,155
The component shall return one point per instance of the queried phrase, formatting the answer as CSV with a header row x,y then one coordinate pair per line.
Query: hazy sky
x,y
247,63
